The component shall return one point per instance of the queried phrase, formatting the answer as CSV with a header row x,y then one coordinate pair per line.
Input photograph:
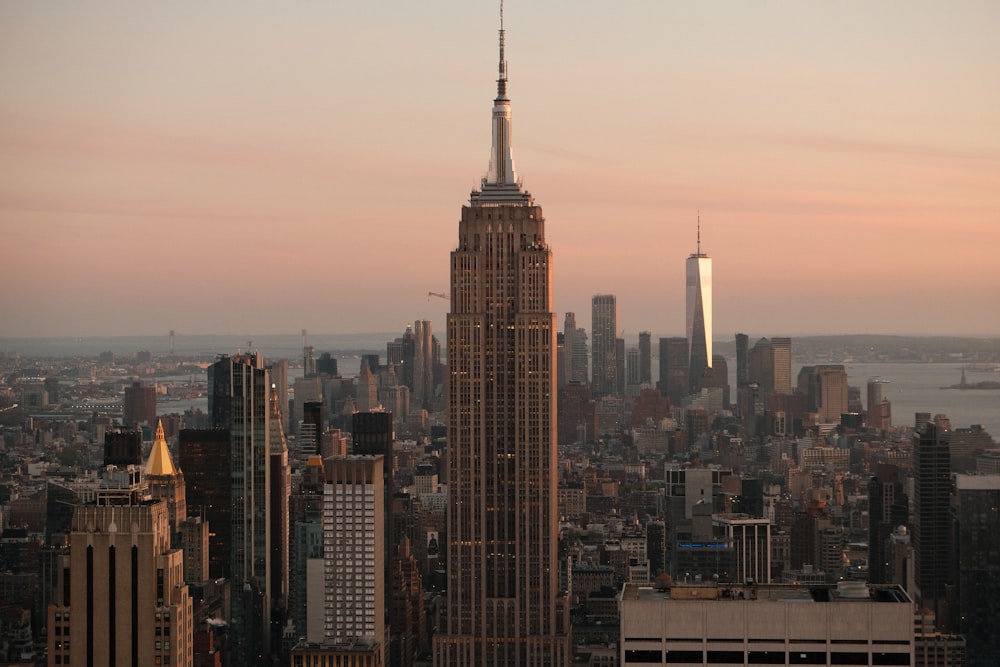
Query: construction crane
x,y
440,295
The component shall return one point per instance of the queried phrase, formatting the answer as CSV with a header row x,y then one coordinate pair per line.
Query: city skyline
x,y
844,160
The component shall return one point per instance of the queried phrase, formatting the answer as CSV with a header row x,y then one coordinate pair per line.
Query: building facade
x,y
782,624
239,400
603,333
699,314
503,602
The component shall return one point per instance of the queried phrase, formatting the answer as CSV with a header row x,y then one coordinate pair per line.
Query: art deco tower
x,y
699,314
503,605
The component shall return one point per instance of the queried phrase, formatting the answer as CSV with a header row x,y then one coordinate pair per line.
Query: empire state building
x,y
503,602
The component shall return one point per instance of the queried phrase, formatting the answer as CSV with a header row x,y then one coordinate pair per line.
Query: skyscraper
x,y
673,369
975,509
699,314
126,590
603,332
166,482
239,400
353,551
503,604
645,357
932,530
576,356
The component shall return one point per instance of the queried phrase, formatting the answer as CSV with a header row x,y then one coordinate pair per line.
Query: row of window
x,y
793,657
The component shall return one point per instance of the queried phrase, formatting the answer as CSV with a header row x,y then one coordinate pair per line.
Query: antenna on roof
x,y
699,232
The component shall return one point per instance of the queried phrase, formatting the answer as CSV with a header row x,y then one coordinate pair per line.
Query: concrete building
x,y
673,382
932,529
166,483
603,337
503,602
353,584
139,405
712,624
239,400
127,602
975,514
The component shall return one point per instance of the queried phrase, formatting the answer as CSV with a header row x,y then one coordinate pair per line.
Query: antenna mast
x,y
502,81
699,232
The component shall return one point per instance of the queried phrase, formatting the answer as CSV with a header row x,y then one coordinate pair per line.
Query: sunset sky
x,y
263,167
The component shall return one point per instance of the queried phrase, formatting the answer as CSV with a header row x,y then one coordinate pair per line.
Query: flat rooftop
x,y
846,591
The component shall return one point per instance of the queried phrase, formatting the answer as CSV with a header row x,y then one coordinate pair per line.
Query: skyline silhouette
x,y
162,166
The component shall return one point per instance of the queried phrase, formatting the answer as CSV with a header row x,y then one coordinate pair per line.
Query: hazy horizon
x,y
271,167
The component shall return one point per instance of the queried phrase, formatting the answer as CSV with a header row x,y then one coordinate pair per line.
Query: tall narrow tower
x,y
504,606
239,392
699,314
603,337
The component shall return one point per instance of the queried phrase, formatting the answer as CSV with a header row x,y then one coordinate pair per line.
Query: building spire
x,y
699,231
501,173
502,80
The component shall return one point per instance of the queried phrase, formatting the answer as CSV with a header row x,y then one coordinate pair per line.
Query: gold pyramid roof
x,y
160,464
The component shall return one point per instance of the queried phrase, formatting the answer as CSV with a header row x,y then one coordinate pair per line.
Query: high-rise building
x,y
674,369
166,482
122,448
139,405
127,598
645,358
878,407
344,593
353,553
699,314
306,541
278,497
503,602
742,361
239,400
603,337
423,364
204,453
577,357
825,388
887,510
932,536
975,510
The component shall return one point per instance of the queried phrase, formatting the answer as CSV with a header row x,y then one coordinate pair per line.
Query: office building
x,y
888,509
750,538
503,602
166,483
699,314
577,355
204,453
931,529
879,409
127,602
278,497
603,339
306,540
139,405
646,358
825,389
782,624
769,365
673,381
742,359
423,364
239,400
353,552
975,513
122,448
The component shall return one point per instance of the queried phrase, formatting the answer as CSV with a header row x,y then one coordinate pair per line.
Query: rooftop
x,y
845,591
